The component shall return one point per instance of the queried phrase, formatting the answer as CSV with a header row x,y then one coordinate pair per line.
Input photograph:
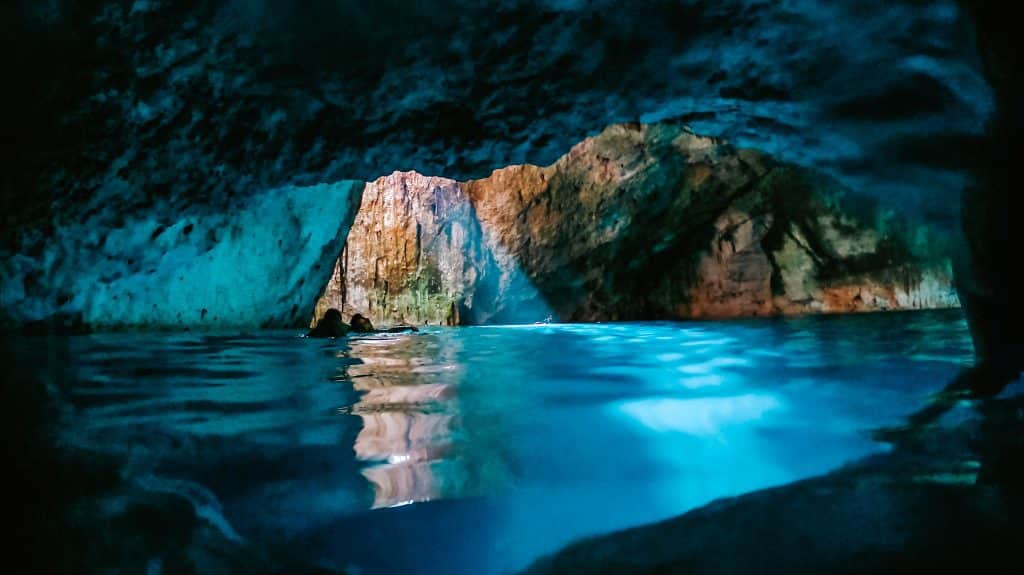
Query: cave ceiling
x,y
200,101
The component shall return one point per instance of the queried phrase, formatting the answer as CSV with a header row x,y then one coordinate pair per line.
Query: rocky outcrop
x,y
414,254
990,277
262,264
639,222
417,254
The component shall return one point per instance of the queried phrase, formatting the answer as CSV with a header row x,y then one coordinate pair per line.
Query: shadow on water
x,y
470,450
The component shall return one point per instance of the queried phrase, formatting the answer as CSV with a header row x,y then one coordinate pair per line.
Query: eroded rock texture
x,y
640,222
414,254
261,264
155,109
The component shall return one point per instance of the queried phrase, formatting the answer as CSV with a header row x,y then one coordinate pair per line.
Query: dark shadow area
x,y
112,508
990,279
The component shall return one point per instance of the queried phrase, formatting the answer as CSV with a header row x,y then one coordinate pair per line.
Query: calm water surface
x,y
476,450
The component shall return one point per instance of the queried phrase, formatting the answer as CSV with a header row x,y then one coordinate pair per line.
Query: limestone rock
x,y
639,222
261,265
414,254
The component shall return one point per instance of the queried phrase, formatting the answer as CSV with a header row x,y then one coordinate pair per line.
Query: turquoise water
x,y
476,450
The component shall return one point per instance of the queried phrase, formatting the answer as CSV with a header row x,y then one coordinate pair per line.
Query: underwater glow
x,y
703,417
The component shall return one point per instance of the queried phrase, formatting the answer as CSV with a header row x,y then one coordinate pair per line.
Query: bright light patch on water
x,y
704,417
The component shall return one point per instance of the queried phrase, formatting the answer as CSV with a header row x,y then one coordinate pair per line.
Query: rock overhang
x,y
887,98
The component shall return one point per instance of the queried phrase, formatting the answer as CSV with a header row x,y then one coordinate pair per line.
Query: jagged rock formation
x,y
416,253
281,93
640,222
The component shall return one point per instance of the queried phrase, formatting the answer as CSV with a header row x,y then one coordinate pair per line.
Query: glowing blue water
x,y
475,450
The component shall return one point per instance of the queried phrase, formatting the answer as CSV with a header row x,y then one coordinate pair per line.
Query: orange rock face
x,y
413,254
639,222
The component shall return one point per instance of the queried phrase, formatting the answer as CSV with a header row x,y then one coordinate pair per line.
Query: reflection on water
x,y
479,449
407,422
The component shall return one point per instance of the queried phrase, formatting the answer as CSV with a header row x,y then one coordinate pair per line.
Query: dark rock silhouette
x,y
361,324
990,279
330,325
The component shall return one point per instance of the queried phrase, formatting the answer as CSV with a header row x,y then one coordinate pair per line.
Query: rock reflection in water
x,y
409,413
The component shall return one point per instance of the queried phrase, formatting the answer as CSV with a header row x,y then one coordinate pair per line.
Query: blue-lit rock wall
x,y
263,263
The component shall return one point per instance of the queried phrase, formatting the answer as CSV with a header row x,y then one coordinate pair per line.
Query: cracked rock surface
x,y
639,222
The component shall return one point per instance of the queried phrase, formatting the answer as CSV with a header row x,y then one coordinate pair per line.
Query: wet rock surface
x,y
639,222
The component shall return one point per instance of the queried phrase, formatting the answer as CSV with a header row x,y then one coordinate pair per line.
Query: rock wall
x,y
191,107
169,92
262,264
639,222
414,254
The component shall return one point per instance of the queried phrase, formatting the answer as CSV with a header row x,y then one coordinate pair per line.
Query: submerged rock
x,y
639,222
